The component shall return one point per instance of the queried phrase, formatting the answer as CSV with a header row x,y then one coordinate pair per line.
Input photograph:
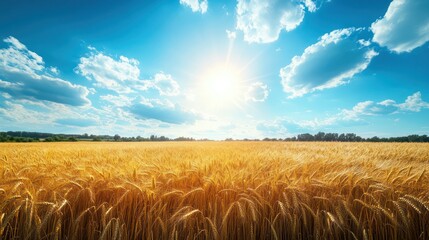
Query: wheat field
x,y
214,190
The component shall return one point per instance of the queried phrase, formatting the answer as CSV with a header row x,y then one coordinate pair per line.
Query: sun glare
x,y
222,86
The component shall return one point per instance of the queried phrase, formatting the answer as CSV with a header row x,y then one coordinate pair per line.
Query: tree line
x,y
351,137
20,136
343,137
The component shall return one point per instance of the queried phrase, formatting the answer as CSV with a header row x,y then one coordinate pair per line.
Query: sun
x,y
222,86
223,82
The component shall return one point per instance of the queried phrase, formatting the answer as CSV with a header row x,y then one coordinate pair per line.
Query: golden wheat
x,y
214,190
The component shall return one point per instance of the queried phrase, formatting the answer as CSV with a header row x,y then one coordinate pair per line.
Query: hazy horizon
x,y
215,69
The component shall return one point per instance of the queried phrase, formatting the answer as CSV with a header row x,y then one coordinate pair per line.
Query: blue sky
x,y
215,69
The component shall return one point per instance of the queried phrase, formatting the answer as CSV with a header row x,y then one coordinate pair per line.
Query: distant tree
x,y
3,137
184,139
374,139
350,137
117,138
271,139
96,139
330,137
305,137
320,136
413,138
424,138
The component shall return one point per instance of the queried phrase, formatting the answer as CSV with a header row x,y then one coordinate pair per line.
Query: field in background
x,y
214,190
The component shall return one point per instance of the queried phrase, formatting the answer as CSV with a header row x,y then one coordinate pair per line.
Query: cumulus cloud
x,y
24,75
332,61
413,103
163,83
117,100
262,21
404,27
257,92
17,58
161,111
35,87
282,126
287,126
311,5
109,73
369,108
357,114
14,112
22,111
54,70
122,75
346,117
196,5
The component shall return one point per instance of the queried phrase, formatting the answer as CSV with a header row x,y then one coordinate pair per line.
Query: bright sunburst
x,y
222,86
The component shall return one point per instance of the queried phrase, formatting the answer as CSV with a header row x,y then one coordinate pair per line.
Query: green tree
x,y
117,138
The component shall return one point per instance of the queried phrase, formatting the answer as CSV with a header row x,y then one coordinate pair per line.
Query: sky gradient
x,y
215,69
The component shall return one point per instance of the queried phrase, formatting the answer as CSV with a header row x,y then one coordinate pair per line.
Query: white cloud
x,y
283,127
369,108
118,100
17,112
414,103
17,58
196,5
231,34
311,5
16,43
5,95
164,111
108,72
257,92
54,70
262,21
317,123
21,111
404,27
165,84
286,126
346,117
337,57
24,76
123,75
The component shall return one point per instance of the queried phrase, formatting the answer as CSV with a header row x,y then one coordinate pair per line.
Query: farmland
x,y
214,190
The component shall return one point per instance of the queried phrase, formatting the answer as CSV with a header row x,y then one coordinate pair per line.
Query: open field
x,y
214,190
